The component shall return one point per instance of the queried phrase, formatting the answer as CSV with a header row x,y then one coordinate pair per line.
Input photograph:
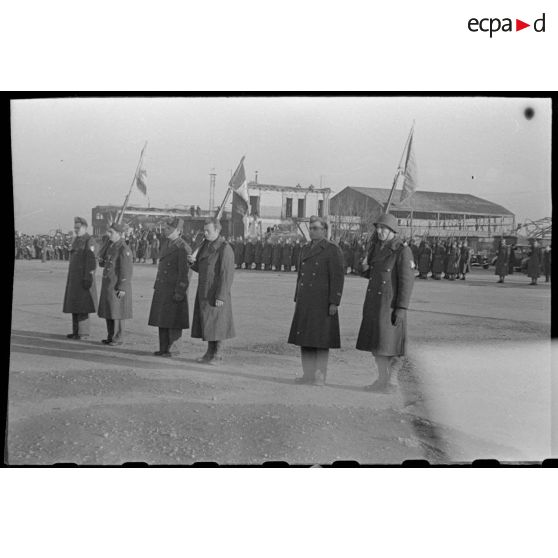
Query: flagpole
x,y
229,190
125,204
386,210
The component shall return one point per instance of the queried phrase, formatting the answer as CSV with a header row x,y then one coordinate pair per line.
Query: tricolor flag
x,y
409,171
140,181
239,186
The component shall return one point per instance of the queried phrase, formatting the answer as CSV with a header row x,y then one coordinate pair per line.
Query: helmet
x,y
389,221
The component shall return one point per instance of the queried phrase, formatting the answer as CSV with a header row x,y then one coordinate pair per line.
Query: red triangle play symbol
x,y
519,25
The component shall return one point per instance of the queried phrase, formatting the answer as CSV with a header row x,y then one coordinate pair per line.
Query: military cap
x,y
80,220
175,223
389,221
117,227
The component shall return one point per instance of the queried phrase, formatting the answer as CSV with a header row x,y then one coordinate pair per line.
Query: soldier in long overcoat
x,y
80,298
535,263
319,287
213,317
502,261
287,255
169,306
383,330
424,259
155,247
258,254
547,263
249,253
452,261
276,255
438,257
267,254
239,253
115,304
464,260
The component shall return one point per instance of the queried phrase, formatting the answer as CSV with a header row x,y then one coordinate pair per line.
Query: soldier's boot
x,y
208,353
320,373
216,355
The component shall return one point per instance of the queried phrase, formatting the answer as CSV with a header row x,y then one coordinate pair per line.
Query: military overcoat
x,y
465,260
438,257
172,279
424,258
215,267
117,276
276,253
77,299
390,285
319,283
535,263
502,261
286,255
267,253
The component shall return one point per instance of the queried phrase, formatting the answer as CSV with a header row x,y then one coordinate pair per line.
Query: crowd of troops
x,y
42,247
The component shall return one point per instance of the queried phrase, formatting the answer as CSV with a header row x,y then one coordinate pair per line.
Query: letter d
x,y
535,25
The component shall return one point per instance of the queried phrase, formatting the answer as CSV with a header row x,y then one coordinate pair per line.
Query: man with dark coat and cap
x,y
424,259
80,298
276,254
213,318
464,260
267,254
535,262
438,258
287,255
319,286
169,307
383,331
502,261
115,304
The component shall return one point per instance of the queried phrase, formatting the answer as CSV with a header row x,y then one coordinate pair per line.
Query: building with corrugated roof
x,y
425,214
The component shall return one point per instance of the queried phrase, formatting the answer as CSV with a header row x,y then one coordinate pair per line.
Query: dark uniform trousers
x,y
313,360
167,339
80,324
115,330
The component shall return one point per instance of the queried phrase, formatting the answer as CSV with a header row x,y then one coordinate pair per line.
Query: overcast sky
x,y
70,155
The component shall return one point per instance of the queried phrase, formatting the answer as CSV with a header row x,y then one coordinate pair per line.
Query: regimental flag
x,y
239,186
140,181
409,171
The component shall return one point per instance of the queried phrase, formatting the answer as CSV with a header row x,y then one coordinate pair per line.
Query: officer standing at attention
x,y
80,298
319,286
213,318
383,329
115,304
169,306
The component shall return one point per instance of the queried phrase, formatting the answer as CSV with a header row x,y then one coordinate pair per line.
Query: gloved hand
x,y
177,297
332,309
86,283
398,316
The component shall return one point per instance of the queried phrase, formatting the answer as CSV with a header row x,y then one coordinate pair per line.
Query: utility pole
x,y
212,176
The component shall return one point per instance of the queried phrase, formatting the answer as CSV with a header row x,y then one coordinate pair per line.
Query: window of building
x,y
289,208
320,208
302,207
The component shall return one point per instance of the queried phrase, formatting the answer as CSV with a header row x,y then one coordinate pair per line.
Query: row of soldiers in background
x,y
539,261
451,258
283,254
42,247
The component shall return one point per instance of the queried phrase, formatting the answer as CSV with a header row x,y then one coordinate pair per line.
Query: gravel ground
x,y
82,402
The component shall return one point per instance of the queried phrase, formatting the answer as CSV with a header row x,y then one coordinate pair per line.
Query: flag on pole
x,y
140,181
409,172
239,187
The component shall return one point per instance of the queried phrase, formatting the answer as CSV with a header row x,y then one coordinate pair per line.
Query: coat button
x,y
383,282
379,292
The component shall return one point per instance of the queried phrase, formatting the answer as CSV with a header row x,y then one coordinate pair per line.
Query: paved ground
x,y
476,384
